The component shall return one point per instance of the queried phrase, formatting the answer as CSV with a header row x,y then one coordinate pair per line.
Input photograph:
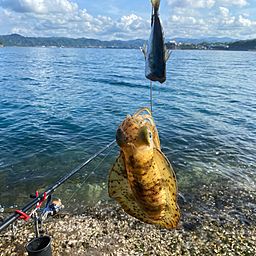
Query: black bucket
x,y
40,246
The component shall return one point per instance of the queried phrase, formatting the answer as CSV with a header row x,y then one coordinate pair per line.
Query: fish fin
x,y
144,50
167,53
172,211
155,3
118,188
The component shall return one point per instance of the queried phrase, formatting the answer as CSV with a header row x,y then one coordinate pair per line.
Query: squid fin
x,y
119,190
172,211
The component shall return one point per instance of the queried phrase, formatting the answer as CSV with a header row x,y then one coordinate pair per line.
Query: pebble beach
x,y
214,221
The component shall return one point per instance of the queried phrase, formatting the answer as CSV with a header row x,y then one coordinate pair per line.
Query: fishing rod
x,y
47,193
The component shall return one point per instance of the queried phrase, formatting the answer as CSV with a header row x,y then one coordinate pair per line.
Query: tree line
x,y
18,40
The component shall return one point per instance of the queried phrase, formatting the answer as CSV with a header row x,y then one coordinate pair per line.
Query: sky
x,y
128,19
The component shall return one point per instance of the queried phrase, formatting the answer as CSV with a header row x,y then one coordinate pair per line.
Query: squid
x,y
142,179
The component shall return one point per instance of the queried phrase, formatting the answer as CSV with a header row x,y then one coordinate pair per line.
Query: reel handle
x,y
32,195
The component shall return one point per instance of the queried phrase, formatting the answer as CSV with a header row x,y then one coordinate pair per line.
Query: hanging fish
x,y
142,179
156,53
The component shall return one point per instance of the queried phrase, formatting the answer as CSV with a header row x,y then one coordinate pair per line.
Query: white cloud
x,y
244,22
185,11
193,4
63,18
224,12
221,23
132,23
205,4
184,20
39,6
224,17
239,3
76,24
246,14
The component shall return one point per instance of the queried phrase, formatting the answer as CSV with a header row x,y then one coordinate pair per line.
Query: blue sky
x,y
128,19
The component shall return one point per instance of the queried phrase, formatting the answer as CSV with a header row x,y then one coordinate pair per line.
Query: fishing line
x,y
151,100
50,190
92,172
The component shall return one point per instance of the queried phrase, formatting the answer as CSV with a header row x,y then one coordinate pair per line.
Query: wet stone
x,y
205,228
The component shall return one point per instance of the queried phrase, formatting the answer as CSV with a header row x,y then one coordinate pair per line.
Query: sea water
x,y
59,106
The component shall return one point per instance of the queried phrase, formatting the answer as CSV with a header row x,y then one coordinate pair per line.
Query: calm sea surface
x,y
58,107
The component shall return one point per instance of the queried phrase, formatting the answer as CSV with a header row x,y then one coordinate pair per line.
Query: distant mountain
x,y
18,40
139,42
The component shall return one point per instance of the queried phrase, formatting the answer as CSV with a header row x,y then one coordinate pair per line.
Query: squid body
x,y
142,179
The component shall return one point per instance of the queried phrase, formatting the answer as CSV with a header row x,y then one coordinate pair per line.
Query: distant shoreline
x,y
112,48
17,40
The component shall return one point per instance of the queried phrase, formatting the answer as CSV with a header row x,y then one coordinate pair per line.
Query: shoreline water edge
x,y
218,221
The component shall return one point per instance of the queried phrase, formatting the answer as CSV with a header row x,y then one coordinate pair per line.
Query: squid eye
x,y
150,135
145,135
120,137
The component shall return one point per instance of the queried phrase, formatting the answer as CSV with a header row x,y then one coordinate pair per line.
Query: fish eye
x,y
120,137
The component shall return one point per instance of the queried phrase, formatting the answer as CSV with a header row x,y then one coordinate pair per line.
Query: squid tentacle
x,y
140,110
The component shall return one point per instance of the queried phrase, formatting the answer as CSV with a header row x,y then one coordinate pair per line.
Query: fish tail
x,y
167,53
144,50
155,4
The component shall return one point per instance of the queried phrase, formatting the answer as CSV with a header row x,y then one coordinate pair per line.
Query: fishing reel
x,y
55,207
50,209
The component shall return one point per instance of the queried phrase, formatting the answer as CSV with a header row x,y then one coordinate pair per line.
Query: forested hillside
x,y
18,40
